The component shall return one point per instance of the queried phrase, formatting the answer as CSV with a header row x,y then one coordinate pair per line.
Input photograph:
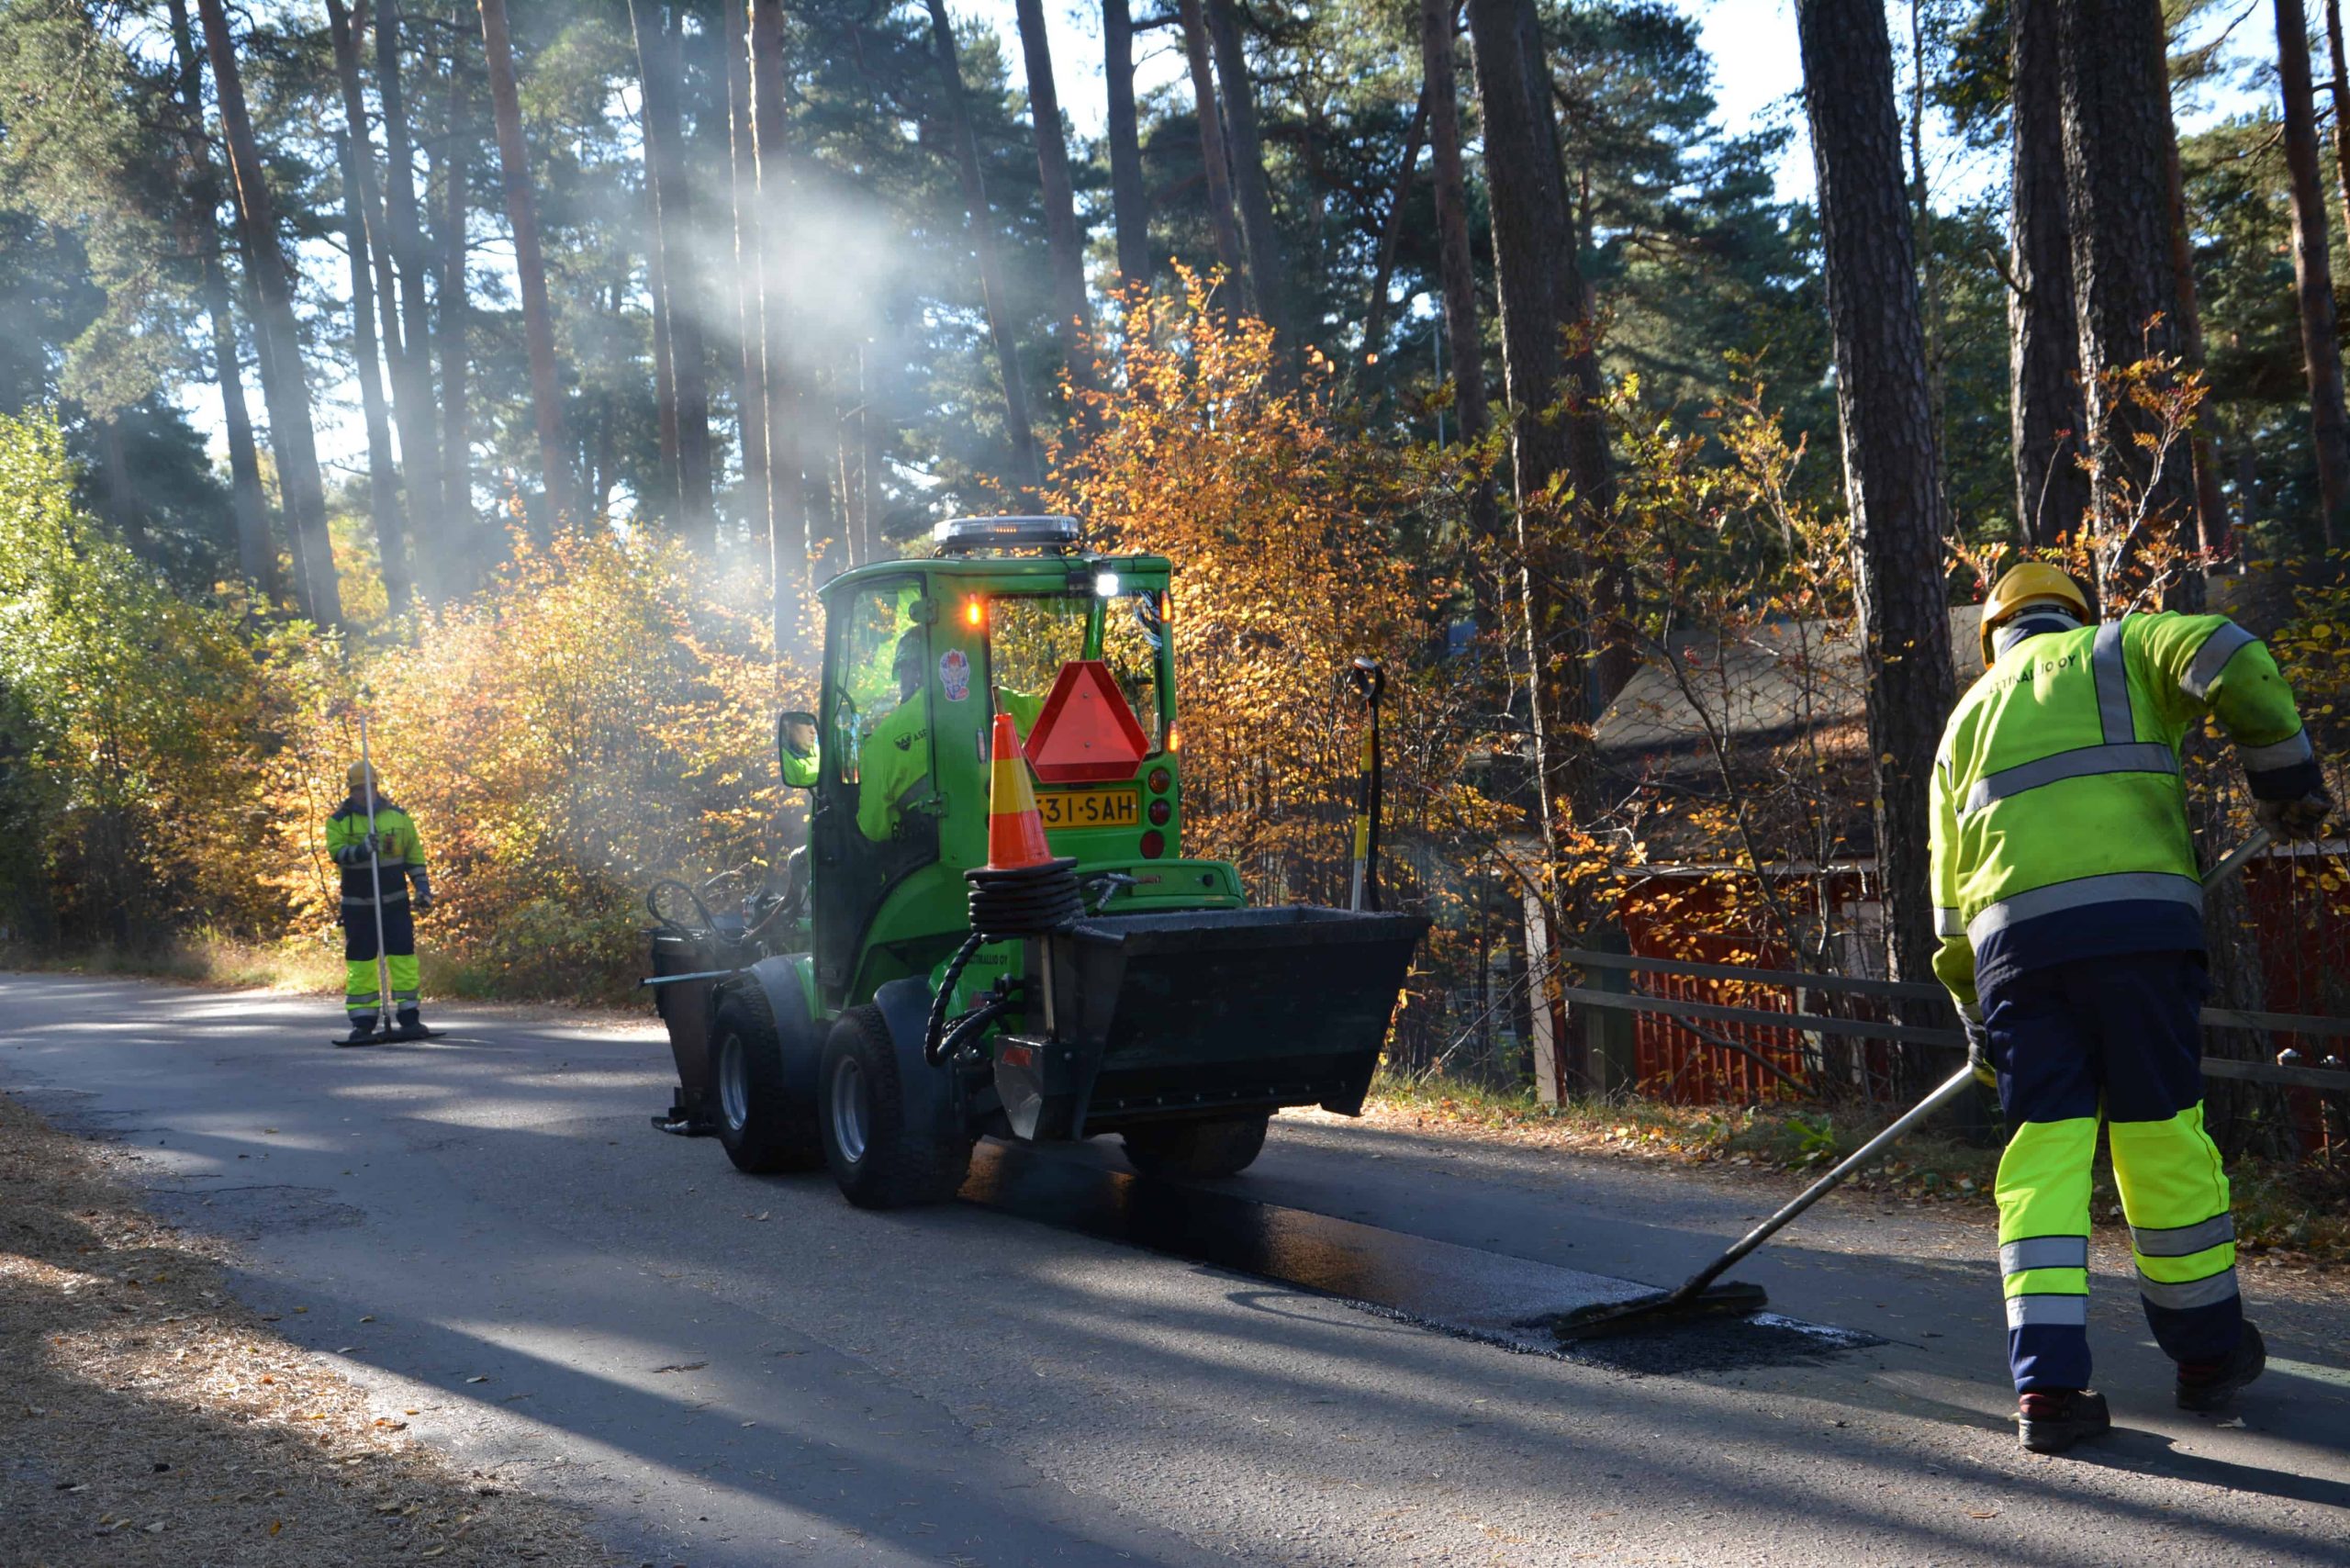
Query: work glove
x,y
424,899
2301,817
372,842
1978,1051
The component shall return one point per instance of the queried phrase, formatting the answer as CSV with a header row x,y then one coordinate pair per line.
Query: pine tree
x,y
1867,245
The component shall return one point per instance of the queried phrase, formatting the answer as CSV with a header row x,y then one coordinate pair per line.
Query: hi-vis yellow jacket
x,y
399,856
2059,816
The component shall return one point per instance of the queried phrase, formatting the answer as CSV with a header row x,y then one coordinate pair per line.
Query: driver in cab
x,y
893,764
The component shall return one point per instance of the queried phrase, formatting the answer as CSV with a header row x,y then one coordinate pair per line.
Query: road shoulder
x,y
152,1419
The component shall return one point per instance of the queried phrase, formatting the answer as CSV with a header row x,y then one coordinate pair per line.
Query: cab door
x,y
876,739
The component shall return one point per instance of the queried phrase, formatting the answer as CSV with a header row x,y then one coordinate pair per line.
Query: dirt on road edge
x,y
152,1421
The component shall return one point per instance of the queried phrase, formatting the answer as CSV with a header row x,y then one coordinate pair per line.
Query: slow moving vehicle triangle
x,y
1086,733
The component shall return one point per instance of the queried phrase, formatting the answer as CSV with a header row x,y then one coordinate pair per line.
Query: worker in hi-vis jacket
x,y
2071,919
385,859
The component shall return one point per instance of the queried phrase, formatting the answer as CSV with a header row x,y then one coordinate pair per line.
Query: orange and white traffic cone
x,y
1015,831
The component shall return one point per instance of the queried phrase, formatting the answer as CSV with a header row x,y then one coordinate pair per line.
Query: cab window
x,y
866,680
1030,636
1133,637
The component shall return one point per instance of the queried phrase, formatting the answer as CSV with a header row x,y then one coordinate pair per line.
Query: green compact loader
x,y
892,1001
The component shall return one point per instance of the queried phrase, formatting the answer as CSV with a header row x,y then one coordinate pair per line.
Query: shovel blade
x,y
1658,1312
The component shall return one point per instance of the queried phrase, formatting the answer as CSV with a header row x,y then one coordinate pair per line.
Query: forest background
x,y
1469,335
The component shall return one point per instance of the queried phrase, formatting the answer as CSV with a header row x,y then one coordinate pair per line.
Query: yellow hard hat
x,y
359,775
2034,582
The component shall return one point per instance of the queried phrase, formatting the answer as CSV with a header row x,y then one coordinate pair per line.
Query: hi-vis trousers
x,y
2112,1038
361,985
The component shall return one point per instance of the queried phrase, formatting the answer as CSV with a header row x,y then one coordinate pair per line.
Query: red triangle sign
x,y
1086,733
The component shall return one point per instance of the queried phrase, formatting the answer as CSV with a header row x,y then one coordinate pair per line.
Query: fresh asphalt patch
x,y
1490,1297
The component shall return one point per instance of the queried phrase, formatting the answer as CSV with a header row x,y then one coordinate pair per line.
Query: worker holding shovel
x,y
2072,925
374,843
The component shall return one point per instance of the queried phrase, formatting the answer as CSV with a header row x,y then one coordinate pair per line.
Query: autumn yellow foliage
x,y
1283,526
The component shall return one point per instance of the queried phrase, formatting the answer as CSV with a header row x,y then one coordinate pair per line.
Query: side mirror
x,y
795,750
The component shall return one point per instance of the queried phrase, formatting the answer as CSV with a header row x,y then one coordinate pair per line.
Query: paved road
x,y
737,1371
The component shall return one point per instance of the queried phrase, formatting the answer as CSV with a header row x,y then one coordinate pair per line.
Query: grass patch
x,y
2291,1215
202,960
310,969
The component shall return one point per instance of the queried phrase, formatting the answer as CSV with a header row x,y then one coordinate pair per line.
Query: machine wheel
x,y
1224,1146
762,1129
879,1160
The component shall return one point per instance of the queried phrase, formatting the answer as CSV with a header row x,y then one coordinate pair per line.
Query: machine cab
x,y
1011,615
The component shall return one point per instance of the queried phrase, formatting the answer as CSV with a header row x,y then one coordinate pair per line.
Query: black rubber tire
x,y
761,1127
1224,1146
881,1163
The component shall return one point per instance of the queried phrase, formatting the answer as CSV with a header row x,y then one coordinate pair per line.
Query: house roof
x,y
1771,682
1757,684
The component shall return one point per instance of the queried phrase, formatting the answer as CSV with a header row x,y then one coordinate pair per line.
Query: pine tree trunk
x,y
2125,286
742,193
371,285
1589,469
1064,239
117,491
2210,507
383,475
1525,223
2338,89
689,342
1888,440
1921,217
975,199
411,359
530,268
455,545
2044,340
789,533
1245,148
285,382
1391,234
256,558
664,386
1459,276
1215,165
2313,269
1128,195
686,420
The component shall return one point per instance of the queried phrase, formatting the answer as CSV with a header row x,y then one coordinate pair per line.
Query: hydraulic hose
x,y
1031,900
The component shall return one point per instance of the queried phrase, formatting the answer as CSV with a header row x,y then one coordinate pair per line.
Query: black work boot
x,y
411,1027
2050,1420
2208,1385
363,1029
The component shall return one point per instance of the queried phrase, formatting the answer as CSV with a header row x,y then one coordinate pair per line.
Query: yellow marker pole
x,y
1370,683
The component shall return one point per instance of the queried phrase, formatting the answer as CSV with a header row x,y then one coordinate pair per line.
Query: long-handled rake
x,y
1698,1297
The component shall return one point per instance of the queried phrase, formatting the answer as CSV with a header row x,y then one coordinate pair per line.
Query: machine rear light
x,y
975,613
1160,781
1160,811
1154,845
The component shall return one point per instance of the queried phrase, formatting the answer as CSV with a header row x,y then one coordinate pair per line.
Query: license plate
x,y
1090,808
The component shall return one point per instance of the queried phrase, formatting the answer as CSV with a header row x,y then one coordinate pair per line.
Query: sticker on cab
x,y
954,674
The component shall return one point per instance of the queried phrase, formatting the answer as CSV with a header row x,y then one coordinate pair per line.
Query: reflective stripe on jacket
x,y
2059,816
400,853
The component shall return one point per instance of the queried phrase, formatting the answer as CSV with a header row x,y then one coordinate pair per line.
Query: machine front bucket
x,y
1180,1014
